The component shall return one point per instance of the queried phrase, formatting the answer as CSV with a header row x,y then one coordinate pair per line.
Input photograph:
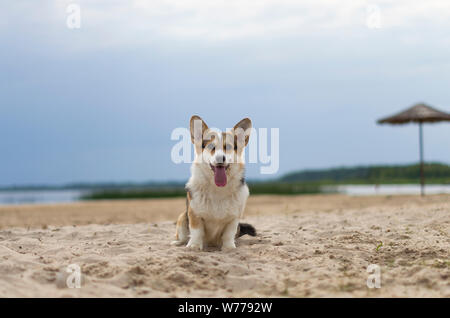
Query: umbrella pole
x,y
422,175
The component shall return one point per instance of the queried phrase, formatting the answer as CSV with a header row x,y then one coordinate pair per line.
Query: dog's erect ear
x,y
198,128
242,130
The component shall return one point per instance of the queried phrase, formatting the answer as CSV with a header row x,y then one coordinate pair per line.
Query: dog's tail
x,y
245,228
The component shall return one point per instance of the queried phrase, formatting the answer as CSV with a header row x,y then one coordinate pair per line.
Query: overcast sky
x,y
99,103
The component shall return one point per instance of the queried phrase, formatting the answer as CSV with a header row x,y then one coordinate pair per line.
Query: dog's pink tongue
x,y
220,178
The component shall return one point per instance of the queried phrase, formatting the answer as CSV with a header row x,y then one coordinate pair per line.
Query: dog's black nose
x,y
220,159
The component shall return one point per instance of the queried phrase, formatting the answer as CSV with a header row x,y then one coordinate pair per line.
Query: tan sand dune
x,y
307,246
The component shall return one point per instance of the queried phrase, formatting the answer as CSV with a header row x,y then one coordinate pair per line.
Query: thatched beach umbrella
x,y
419,113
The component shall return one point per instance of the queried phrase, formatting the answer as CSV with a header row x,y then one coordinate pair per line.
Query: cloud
x,y
123,22
230,19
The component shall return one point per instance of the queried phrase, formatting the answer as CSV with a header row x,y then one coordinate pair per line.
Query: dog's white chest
x,y
217,205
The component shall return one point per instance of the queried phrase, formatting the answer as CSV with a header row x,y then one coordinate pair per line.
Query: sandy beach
x,y
307,246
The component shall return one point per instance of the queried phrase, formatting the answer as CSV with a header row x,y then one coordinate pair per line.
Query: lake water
x,y
389,189
61,196
40,196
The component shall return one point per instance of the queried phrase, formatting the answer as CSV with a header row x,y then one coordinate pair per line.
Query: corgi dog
x,y
216,191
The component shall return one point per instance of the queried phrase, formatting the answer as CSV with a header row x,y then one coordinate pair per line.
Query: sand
x,y
307,246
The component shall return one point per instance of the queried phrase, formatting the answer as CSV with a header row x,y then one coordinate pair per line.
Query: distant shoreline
x,y
435,172
20,197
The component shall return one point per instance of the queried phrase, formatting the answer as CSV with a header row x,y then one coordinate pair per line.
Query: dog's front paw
x,y
177,243
228,246
198,246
